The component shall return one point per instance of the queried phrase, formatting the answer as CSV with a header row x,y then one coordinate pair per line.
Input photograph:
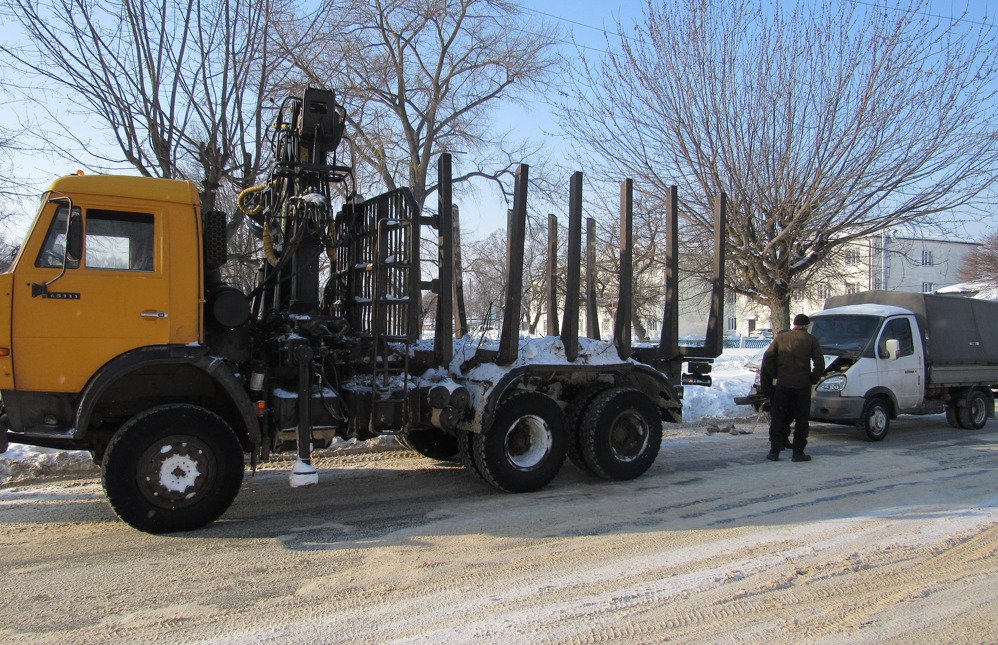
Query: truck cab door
x,y
904,374
67,323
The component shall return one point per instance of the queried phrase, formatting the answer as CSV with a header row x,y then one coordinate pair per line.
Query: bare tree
x,y
420,77
178,86
981,264
823,123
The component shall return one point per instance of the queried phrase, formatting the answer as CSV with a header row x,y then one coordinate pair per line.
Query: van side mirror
x,y
892,349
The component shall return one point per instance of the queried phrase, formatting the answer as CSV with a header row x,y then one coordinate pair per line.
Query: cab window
x,y
898,329
51,254
119,240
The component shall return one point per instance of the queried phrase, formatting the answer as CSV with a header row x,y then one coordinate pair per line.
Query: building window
x,y
928,287
852,256
732,323
729,298
824,291
852,287
927,259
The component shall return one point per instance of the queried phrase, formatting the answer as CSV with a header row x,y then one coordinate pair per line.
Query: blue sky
x,y
581,22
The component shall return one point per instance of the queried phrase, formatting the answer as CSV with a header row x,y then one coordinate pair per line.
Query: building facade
x,y
882,261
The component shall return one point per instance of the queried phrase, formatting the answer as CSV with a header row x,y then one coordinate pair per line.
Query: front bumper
x,y
829,406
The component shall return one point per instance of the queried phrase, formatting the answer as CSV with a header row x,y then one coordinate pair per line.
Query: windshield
x,y
844,334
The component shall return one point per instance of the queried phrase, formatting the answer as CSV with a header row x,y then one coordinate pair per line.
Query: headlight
x,y
835,383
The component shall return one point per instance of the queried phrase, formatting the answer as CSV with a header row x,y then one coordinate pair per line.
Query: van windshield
x,y
844,334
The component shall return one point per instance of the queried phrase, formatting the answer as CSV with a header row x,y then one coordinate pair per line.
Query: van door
x,y
903,376
112,299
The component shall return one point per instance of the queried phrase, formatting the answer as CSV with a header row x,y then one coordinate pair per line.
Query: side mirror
x,y
74,238
892,349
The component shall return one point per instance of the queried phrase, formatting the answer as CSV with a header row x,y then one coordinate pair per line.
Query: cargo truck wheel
x,y
172,468
621,434
574,414
974,414
430,442
951,416
525,446
466,455
876,419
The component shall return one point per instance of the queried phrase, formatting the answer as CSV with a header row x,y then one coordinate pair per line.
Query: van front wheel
x,y
876,419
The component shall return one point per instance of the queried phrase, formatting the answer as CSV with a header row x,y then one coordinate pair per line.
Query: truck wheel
x,y
465,454
172,468
876,419
974,414
621,434
525,446
430,442
575,413
951,416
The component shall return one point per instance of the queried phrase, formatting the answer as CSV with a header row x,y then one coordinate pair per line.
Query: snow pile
x,y
730,375
980,289
29,462
731,378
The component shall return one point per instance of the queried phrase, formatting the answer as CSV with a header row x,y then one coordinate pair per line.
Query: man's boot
x,y
774,454
800,456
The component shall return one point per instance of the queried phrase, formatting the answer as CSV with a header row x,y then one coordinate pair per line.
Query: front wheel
x,y
172,468
525,446
621,434
876,419
974,414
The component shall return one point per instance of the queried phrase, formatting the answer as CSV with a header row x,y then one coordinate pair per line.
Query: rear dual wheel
x,y
621,434
974,414
525,447
575,414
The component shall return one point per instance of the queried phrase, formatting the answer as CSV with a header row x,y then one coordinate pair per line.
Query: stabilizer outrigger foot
x,y
304,474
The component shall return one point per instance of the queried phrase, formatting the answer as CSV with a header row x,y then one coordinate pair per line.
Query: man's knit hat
x,y
801,320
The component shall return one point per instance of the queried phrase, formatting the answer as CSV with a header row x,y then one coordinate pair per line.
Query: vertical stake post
x,y
669,340
460,311
552,276
714,341
570,322
592,314
443,339
509,341
625,280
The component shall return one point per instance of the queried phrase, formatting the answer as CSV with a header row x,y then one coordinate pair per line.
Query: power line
x,y
873,5
621,35
922,13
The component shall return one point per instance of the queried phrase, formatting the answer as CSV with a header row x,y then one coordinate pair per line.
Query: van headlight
x,y
835,383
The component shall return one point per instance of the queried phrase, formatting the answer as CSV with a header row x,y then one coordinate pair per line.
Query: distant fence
x,y
729,342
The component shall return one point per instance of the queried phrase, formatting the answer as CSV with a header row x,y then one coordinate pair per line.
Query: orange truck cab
x,y
102,313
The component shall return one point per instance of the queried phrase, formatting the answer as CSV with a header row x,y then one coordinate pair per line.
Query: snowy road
x,y
869,542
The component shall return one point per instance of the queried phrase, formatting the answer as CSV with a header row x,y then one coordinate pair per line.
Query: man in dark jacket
x,y
789,361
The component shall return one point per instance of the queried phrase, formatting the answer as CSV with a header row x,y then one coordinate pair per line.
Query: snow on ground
x,y
730,379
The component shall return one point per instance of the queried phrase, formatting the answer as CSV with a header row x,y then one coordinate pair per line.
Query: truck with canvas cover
x,y
889,353
119,336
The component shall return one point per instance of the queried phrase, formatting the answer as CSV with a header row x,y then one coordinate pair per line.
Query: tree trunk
x,y
779,313
640,331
